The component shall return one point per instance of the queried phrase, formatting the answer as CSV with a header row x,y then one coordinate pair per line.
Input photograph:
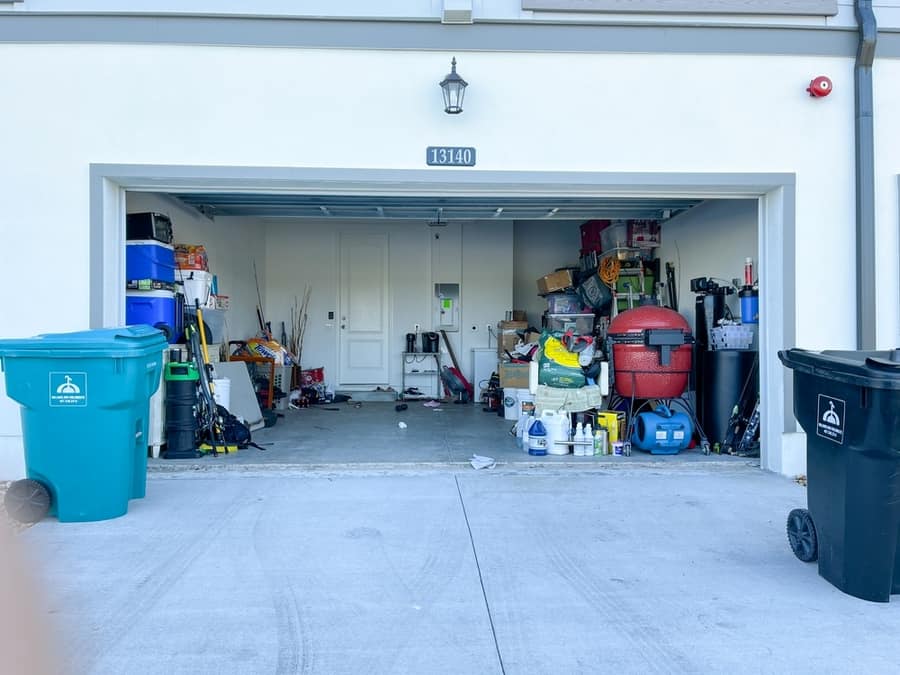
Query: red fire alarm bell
x,y
819,87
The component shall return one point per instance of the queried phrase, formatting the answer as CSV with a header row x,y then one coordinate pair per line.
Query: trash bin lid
x,y
875,369
125,341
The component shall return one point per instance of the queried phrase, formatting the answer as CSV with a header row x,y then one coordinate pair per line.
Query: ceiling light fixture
x,y
453,88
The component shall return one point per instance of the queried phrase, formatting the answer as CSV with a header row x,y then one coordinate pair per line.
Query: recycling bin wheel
x,y
801,532
27,501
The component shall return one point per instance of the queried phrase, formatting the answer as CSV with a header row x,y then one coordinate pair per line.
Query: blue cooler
x,y
159,309
149,260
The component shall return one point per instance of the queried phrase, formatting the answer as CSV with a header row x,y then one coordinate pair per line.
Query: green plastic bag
x,y
557,366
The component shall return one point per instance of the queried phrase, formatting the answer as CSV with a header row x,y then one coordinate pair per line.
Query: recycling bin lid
x,y
874,369
125,341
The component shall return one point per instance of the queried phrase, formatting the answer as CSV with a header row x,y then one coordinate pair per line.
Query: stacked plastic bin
x,y
150,274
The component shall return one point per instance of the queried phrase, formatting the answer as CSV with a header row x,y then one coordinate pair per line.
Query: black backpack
x,y
235,432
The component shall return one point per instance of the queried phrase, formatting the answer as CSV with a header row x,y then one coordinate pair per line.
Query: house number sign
x,y
449,155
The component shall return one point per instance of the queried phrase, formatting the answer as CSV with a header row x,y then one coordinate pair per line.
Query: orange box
x,y
191,257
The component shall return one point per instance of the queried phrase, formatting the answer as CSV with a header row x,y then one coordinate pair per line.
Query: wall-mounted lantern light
x,y
453,87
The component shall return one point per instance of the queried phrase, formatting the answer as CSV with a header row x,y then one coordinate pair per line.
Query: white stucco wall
x,y
886,74
86,104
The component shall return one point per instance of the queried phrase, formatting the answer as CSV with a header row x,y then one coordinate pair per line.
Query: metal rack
x,y
415,358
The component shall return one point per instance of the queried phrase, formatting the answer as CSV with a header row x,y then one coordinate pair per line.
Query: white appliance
x,y
484,362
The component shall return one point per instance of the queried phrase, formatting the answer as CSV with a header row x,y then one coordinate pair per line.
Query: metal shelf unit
x,y
423,367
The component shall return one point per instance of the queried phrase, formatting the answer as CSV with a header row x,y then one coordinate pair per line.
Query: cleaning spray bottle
x,y
577,448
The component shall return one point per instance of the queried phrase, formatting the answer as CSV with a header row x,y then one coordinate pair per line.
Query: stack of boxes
x,y
150,274
199,286
565,309
512,375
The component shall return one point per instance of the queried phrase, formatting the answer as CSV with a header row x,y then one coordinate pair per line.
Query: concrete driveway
x,y
675,569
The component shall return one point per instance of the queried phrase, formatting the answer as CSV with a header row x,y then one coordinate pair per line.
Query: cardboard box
x,y
507,337
557,281
514,375
519,315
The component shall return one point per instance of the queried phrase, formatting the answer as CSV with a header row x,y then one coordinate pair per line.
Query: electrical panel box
x,y
446,307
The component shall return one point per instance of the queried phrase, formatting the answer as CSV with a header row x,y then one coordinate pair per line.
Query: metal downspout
x,y
865,177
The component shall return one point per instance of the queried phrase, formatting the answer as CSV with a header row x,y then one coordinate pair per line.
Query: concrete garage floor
x,y
368,436
679,567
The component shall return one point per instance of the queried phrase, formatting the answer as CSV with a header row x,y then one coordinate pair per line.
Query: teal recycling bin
x,y
85,401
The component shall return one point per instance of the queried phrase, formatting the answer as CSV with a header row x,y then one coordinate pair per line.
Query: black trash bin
x,y
848,402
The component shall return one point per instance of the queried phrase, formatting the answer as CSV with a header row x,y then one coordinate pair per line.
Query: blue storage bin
x,y
160,309
149,260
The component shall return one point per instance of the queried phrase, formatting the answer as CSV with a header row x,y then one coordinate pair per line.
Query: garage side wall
x,y
710,240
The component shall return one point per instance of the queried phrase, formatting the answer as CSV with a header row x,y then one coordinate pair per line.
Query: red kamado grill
x,y
651,352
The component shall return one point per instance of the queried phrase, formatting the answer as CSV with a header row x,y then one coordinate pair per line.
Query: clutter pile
x,y
610,366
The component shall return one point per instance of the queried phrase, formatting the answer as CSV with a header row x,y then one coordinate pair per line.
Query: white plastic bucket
x,y
557,426
222,392
525,422
196,286
510,404
526,402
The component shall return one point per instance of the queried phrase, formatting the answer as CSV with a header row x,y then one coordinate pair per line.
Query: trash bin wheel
x,y
801,532
28,501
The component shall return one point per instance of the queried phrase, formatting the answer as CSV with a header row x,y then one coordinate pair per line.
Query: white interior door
x,y
364,309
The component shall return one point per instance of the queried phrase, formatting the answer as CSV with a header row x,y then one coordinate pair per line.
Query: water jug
x,y
537,439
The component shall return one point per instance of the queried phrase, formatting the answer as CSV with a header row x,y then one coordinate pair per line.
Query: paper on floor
x,y
480,462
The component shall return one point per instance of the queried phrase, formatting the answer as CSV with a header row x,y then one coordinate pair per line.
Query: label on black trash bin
x,y
68,389
830,418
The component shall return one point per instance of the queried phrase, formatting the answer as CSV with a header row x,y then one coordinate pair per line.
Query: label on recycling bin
x,y
830,418
68,389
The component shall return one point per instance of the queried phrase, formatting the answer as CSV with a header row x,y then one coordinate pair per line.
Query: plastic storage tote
x,y
849,405
85,401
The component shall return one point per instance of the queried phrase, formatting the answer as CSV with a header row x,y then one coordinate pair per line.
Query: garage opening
x,y
377,279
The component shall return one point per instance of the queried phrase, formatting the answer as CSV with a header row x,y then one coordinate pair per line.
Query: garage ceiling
x,y
435,209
